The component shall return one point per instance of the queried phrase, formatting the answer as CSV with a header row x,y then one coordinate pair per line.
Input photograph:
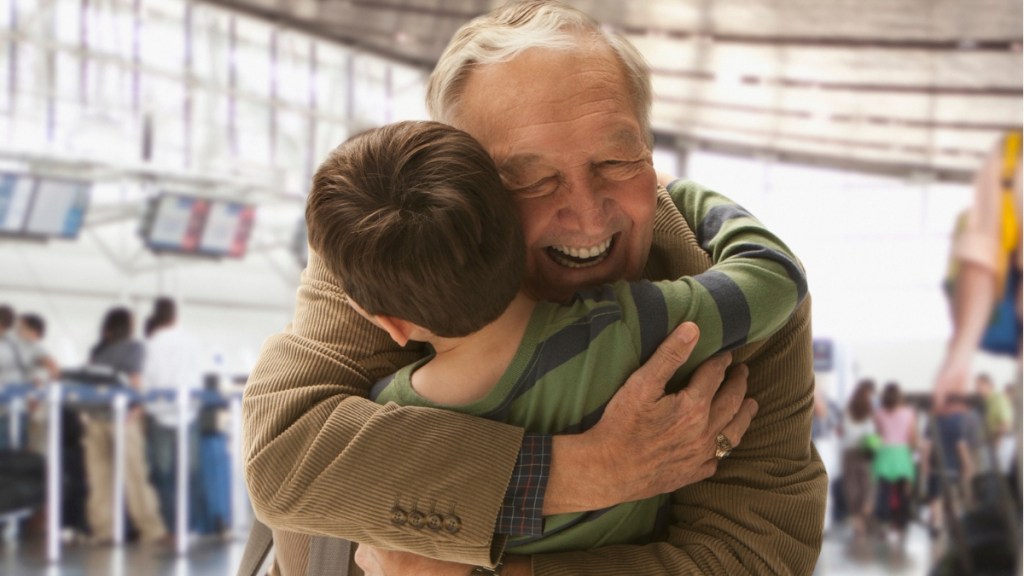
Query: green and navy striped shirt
x,y
574,357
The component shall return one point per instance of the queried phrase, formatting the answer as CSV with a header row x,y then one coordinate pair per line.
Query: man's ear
x,y
400,330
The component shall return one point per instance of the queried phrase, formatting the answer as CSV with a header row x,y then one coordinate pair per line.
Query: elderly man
x,y
563,107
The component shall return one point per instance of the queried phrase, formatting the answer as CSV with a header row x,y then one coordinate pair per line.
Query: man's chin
x,y
570,281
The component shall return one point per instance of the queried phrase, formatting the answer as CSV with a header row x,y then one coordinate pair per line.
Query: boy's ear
x,y
400,330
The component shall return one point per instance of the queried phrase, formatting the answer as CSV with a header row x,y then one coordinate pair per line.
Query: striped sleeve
x,y
754,286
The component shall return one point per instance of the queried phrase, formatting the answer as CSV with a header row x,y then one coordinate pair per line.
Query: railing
x,y
56,395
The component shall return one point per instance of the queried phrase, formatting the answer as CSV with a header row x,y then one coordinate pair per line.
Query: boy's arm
x,y
751,291
770,279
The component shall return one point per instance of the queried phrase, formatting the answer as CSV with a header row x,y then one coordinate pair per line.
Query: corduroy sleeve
x,y
322,459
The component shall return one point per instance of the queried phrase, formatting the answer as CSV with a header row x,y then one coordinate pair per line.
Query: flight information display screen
x,y
228,225
201,226
42,207
58,209
177,223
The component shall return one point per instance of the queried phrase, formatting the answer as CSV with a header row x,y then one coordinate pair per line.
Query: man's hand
x,y
378,562
647,442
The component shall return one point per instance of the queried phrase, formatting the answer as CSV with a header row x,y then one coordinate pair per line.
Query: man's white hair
x,y
521,25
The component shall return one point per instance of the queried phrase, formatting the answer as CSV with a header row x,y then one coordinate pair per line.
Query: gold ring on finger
x,y
722,446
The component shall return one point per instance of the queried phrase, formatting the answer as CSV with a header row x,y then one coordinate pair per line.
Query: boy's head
x,y
413,220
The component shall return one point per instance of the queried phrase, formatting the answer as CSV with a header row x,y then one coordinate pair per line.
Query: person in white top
x,y
858,428
23,360
172,363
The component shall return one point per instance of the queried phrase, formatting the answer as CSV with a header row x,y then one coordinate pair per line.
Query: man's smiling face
x,y
562,130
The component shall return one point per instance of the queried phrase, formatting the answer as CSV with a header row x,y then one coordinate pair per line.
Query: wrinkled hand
x,y
378,562
650,443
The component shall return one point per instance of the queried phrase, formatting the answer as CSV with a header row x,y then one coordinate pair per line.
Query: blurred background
x,y
164,148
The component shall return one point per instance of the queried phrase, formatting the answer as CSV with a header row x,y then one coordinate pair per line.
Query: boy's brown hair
x,y
414,222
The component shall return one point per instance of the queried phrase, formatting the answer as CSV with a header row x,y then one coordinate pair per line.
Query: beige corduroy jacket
x,y
322,459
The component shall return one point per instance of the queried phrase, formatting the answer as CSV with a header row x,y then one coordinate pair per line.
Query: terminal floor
x,y
877,557
220,557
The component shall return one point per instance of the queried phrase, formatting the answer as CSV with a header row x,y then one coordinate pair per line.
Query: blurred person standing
x,y
859,442
951,465
172,363
124,355
894,461
23,358
35,366
985,285
24,361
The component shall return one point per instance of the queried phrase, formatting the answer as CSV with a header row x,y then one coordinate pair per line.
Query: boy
x,y
414,222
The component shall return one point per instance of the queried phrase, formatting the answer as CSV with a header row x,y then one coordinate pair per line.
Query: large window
x,y
187,86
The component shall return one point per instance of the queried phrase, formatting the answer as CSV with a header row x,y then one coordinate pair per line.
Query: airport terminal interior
x,y
156,155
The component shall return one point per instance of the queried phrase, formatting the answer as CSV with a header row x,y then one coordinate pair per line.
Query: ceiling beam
x,y
841,118
1010,44
877,167
832,86
323,31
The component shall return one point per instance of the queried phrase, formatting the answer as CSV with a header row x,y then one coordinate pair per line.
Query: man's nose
x,y
586,207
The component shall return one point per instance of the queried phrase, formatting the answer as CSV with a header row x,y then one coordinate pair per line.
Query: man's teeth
x,y
584,253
